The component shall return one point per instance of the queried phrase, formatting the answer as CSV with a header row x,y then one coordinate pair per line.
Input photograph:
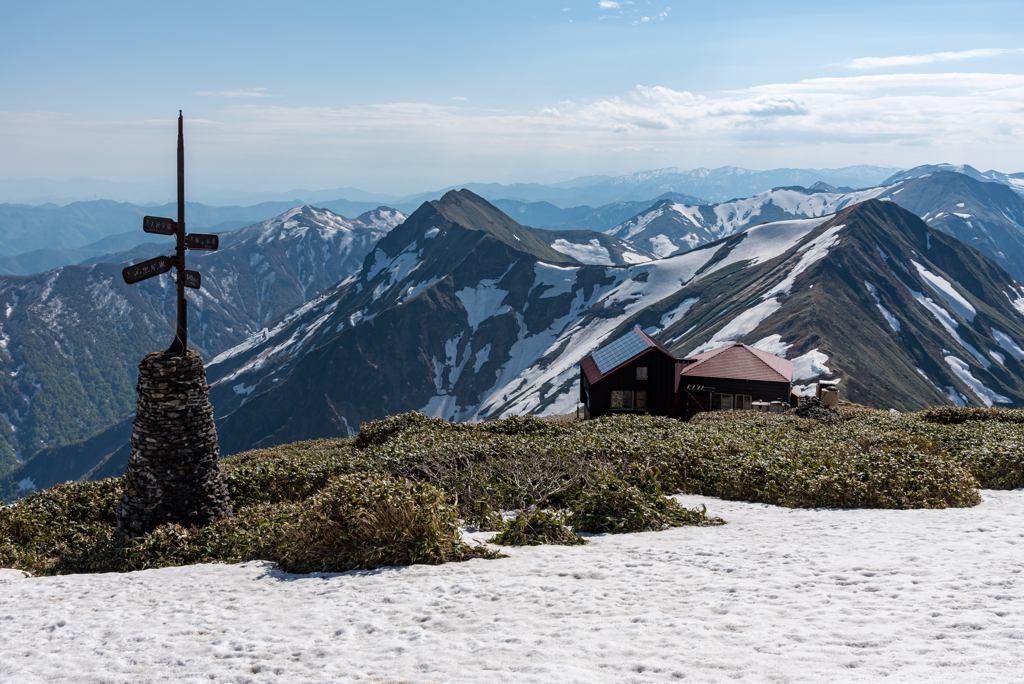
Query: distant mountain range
x,y
463,312
988,216
1015,181
70,338
34,239
716,185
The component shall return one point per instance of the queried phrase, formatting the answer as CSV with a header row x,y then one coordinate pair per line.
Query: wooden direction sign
x,y
154,267
160,226
190,279
148,269
206,242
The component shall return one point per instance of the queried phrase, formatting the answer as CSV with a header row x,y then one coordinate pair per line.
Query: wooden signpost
x,y
172,475
154,267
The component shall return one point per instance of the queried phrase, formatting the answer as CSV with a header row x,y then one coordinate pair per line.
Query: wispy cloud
x,y
898,119
913,60
608,4
459,98
245,92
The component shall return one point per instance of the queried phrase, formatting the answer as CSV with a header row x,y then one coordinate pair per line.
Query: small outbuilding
x,y
637,374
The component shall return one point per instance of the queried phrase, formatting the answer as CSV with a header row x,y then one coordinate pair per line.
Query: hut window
x,y
641,372
724,402
641,400
742,402
622,400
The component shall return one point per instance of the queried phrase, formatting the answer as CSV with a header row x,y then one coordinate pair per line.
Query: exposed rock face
x,y
173,474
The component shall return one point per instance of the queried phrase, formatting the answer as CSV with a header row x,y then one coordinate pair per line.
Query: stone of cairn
x,y
173,475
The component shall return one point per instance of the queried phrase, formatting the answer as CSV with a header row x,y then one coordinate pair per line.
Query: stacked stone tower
x,y
173,475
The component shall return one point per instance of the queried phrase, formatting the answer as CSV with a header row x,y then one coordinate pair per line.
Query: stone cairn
x,y
173,475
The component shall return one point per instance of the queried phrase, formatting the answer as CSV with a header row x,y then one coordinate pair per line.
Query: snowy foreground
x,y
776,595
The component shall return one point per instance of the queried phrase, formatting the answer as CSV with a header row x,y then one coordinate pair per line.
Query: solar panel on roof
x,y
619,351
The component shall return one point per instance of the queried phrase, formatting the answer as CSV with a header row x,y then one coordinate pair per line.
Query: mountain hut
x,y
637,374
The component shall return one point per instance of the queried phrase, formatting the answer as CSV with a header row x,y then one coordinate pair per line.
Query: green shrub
x,y
536,528
617,505
881,476
288,473
518,425
730,416
362,522
954,415
992,451
377,432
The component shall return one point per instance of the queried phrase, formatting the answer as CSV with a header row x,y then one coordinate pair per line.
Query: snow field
x,y
777,595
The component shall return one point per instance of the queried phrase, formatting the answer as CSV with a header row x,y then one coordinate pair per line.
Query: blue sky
x,y
407,96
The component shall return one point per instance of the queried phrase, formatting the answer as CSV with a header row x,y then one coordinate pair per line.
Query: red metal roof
x,y
739,362
589,369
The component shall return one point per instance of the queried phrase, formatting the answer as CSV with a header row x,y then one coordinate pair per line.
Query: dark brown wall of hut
x,y
659,385
758,390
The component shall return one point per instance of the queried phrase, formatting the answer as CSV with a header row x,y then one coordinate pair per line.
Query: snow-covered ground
x,y
776,595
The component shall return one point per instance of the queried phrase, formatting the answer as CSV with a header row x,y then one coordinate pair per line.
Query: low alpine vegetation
x,y
633,504
536,528
397,493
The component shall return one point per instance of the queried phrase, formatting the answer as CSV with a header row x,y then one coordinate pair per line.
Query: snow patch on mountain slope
x,y
945,320
416,288
955,397
1007,343
767,241
482,302
956,301
634,258
893,321
442,406
689,212
263,335
741,325
772,344
984,394
588,253
482,357
662,246
677,313
814,251
556,280
810,365
627,230
519,380
1016,299
732,216
664,277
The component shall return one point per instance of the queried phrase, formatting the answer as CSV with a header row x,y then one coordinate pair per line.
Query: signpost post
x,y
154,267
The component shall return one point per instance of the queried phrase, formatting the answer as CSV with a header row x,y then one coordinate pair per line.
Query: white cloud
x,y
460,98
896,119
246,92
608,4
913,60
